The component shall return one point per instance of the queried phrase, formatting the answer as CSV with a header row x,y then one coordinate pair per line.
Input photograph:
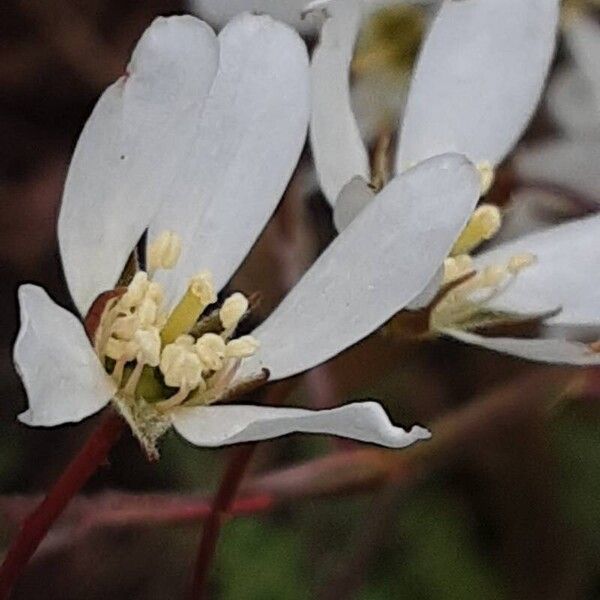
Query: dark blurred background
x,y
504,505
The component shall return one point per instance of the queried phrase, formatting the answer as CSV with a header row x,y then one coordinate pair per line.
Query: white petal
x,y
583,39
565,275
129,152
428,293
478,79
573,105
231,424
540,350
382,261
336,144
219,12
63,377
354,196
249,139
571,166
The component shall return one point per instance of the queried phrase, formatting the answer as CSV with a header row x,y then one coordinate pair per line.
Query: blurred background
x,y
504,504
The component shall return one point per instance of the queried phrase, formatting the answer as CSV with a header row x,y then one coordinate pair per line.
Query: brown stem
x,y
37,524
221,506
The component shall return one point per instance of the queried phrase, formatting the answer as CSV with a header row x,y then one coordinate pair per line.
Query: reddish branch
x,y
35,527
222,504
458,433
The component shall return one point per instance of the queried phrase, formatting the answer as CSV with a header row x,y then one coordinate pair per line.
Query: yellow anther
x,y
120,349
199,295
483,225
135,293
463,302
148,342
233,309
211,350
520,261
457,266
242,347
181,366
164,251
124,327
487,174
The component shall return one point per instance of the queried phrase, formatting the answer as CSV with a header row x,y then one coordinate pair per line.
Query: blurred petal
x,y
582,35
219,12
571,166
62,375
129,151
383,260
478,79
230,424
248,142
354,196
573,105
540,350
336,144
566,274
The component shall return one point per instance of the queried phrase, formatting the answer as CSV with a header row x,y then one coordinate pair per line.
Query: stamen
x,y
199,295
487,174
232,311
463,302
134,377
175,400
117,373
180,364
456,267
482,226
210,348
521,261
135,293
242,347
164,251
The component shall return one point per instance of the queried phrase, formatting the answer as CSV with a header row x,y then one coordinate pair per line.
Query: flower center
x,y
466,300
171,358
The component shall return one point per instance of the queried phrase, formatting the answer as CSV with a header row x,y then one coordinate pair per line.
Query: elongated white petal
x,y
572,103
566,274
381,261
336,144
63,377
478,79
129,152
229,424
353,198
219,12
249,139
569,165
539,350
583,39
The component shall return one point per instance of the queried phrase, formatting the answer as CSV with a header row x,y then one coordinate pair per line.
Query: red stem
x,y
35,527
220,508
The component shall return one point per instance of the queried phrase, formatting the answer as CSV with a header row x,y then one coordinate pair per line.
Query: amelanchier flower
x,y
571,161
195,145
467,96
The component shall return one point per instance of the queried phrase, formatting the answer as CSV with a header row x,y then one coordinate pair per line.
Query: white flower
x,y
560,285
476,84
466,96
571,161
219,12
199,139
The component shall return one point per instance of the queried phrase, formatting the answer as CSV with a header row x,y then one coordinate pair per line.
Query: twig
x,y
36,526
221,507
